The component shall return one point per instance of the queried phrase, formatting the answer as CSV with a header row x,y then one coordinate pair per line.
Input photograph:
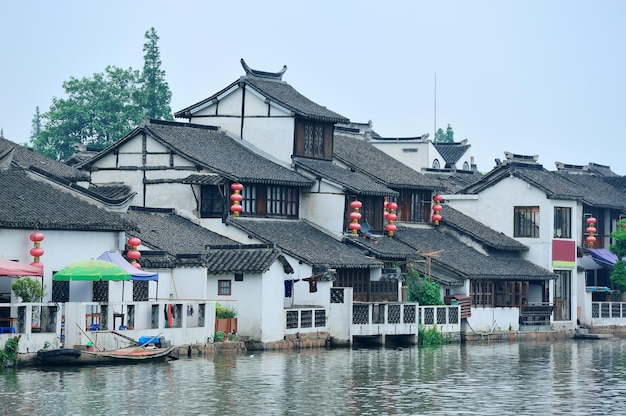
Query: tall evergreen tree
x,y
36,125
155,93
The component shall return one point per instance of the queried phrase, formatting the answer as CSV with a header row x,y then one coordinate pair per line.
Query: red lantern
x,y
133,254
591,230
236,198
437,208
391,217
137,265
134,242
36,251
355,216
36,237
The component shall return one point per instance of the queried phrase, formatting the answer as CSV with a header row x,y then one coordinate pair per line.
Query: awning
x,y
135,274
603,256
15,269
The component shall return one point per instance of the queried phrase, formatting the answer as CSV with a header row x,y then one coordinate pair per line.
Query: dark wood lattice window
x,y
60,291
100,291
140,290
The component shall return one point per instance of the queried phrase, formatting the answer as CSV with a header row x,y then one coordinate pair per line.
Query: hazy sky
x,y
531,77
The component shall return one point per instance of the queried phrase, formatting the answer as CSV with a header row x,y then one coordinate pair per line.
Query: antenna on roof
x,y
435,126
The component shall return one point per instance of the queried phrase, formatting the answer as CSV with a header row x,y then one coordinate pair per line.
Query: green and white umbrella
x,y
91,270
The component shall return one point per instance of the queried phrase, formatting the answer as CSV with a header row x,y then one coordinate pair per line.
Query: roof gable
x,y
273,88
213,149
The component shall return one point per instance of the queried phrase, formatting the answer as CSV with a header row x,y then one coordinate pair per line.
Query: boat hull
x,y
130,355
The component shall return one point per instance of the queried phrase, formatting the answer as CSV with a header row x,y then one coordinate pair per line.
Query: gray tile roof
x,y
279,92
365,158
597,191
213,149
451,152
479,231
305,243
28,200
184,243
383,248
454,181
25,158
352,182
459,259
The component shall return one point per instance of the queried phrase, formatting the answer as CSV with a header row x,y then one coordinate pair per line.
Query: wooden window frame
x,y
227,284
526,222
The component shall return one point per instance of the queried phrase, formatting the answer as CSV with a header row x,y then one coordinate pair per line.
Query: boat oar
x,y
81,330
134,341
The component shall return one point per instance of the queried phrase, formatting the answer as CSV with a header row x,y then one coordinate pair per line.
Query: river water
x,y
528,378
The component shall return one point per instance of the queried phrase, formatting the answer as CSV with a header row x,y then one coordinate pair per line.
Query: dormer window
x,y
313,139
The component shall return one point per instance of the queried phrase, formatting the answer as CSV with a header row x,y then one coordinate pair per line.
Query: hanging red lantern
x,y
591,230
133,254
437,208
355,216
36,251
385,207
236,198
134,242
391,217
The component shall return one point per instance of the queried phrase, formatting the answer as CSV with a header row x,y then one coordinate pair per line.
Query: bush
x,y
430,336
30,290
219,336
225,312
8,355
422,289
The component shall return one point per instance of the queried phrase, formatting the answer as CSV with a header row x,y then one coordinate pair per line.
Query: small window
x,y
238,277
526,222
223,287
436,164
466,166
562,222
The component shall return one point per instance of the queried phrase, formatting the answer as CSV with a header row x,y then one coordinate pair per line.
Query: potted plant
x,y
225,318
30,290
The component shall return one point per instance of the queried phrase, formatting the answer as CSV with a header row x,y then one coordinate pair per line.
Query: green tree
x,y
98,111
102,109
155,93
36,126
30,290
618,275
422,289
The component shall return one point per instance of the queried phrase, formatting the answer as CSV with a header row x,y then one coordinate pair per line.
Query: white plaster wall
x,y
415,160
483,320
324,209
61,248
274,135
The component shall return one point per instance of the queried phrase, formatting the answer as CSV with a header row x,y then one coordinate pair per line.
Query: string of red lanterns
x,y
437,209
236,198
355,216
133,254
591,230
391,217
36,251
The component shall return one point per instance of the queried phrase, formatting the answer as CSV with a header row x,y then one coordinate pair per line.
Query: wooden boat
x,y
128,355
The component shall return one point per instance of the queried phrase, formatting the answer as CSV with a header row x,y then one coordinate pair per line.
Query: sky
x,y
532,77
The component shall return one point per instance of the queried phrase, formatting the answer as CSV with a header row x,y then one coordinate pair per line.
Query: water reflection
x,y
567,377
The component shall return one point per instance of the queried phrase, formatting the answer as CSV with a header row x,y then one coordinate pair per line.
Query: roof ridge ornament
x,y
263,74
